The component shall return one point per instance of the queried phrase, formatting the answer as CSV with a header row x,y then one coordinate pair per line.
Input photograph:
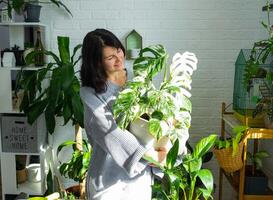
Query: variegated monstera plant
x,y
169,114
168,107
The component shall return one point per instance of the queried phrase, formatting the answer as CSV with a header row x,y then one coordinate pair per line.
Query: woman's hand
x,y
159,155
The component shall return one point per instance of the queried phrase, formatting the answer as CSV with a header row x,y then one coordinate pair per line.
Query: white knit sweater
x,y
116,154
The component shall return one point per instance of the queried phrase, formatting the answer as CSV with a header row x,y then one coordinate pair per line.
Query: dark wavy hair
x,y
92,73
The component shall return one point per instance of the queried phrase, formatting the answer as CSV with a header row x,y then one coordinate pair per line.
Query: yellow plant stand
x,y
237,179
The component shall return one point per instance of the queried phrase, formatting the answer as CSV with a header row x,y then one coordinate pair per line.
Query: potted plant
x,y
60,96
255,180
31,7
21,171
260,54
180,180
265,106
166,109
76,167
229,151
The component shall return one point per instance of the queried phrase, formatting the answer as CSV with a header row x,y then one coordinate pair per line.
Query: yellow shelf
x,y
237,179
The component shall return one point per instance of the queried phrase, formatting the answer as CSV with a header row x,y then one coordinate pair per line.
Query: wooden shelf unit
x,y
237,179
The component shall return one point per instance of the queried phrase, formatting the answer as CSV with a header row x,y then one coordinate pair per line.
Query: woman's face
x,y
112,59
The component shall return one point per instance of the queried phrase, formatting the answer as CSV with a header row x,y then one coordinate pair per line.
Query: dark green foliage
x,y
180,181
58,98
76,168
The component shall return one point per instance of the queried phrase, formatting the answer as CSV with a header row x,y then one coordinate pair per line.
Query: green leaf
x,y
61,4
54,56
152,161
18,6
206,177
53,96
262,154
67,112
264,25
67,75
42,75
237,130
30,58
205,193
50,121
63,168
36,109
172,155
258,162
155,128
64,144
63,45
86,159
49,182
9,10
77,108
193,164
24,106
76,48
157,115
204,146
185,103
151,64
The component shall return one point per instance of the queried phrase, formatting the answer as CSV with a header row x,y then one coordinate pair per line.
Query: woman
x,y
117,170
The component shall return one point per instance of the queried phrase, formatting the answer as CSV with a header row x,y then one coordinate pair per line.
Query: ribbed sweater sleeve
x,y
123,147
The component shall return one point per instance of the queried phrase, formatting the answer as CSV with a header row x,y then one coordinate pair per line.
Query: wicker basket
x,y
228,162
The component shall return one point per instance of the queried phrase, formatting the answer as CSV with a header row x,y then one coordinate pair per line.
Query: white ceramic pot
x,y
34,172
8,59
134,53
139,128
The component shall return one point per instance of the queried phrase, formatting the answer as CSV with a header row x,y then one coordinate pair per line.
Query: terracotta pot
x,y
21,175
75,190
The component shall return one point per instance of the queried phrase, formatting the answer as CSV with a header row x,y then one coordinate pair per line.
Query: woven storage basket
x,y
228,162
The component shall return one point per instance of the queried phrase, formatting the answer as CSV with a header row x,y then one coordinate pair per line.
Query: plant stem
x,y
165,69
197,196
268,18
192,187
185,194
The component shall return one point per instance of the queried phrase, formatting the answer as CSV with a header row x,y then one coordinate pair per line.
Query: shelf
x,y
24,68
234,180
237,179
17,136
20,153
26,24
30,188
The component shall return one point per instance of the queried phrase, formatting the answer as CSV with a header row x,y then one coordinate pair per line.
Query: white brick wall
x,y
213,29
